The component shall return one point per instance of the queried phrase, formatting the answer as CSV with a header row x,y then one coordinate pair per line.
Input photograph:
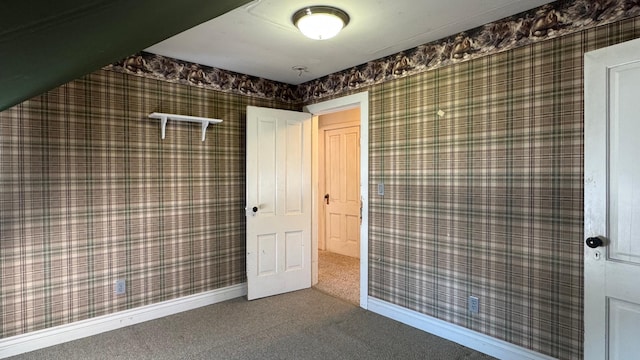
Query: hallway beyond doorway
x,y
339,276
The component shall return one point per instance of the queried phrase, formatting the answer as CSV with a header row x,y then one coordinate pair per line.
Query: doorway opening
x,y
333,259
339,211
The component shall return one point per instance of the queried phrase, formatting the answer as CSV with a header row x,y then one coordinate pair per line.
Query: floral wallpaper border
x,y
555,19
183,72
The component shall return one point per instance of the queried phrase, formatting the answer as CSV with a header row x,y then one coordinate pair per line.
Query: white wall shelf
x,y
163,117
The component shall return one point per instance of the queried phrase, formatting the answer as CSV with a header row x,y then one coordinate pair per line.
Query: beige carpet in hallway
x,y
339,276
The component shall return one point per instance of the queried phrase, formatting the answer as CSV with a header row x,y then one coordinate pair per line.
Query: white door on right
x,y
612,203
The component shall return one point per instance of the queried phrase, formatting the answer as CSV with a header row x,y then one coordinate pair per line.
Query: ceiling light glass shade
x,y
320,22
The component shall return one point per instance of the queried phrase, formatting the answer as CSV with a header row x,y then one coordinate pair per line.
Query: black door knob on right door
x,y
594,242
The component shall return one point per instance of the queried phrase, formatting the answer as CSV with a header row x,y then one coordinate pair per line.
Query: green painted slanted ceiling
x,y
44,44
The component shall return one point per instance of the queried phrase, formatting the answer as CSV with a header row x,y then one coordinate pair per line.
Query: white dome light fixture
x,y
320,22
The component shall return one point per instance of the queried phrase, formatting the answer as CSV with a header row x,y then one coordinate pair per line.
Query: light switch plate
x,y
120,287
474,304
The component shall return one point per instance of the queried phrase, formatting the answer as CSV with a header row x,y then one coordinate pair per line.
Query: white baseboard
x,y
60,334
461,335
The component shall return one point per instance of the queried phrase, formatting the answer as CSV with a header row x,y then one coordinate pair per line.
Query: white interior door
x,y
342,186
612,202
278,201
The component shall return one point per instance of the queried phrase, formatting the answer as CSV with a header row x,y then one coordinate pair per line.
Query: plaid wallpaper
x,y
89,193
487,199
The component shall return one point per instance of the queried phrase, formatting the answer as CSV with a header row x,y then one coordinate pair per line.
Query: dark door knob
x,y
326,198
255,209
594,242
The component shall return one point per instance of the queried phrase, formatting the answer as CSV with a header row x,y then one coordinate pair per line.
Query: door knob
x,y
255,209
594,242
326,198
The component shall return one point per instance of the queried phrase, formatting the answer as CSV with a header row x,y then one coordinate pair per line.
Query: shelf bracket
x,y
204,128
163,124
163,117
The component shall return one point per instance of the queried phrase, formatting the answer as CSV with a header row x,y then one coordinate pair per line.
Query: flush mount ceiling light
x,y
320,22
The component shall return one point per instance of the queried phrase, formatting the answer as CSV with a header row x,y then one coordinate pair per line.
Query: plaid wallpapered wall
x,y
89,193
487,200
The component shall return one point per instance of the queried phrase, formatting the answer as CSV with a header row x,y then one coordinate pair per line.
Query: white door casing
x,y
612,202
278,212
358,100
342,190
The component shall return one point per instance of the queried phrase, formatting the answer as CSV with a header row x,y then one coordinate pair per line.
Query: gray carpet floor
x,y
339,275
306,324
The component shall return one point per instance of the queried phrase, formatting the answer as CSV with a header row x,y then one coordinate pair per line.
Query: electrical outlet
x,y
120,287
474,305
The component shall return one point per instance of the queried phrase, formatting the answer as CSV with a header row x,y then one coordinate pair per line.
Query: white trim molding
x,y
358,100
64,333
461,335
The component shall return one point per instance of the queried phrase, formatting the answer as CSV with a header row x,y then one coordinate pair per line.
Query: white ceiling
x,y
259,39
